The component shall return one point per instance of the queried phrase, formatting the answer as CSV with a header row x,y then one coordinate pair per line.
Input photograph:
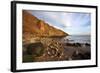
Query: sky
x,y
72,23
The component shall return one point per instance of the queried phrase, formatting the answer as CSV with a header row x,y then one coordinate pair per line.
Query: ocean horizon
x,y
78,39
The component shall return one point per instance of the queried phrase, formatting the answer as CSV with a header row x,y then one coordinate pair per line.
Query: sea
x,y
78,39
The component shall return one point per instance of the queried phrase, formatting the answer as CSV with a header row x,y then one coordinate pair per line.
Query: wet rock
x,y
87,44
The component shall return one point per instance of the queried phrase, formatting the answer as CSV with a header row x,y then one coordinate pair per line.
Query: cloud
x,y
67,21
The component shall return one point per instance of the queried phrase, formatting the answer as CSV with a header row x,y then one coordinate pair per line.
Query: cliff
x,y
34,27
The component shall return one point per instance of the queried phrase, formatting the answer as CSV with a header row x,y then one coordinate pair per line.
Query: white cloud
x,y
71,22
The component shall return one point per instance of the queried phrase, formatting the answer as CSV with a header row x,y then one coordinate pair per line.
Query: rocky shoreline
x,y
52,49
43,42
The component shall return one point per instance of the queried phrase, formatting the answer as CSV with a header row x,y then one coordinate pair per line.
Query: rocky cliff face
x,y
34,27
37,46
